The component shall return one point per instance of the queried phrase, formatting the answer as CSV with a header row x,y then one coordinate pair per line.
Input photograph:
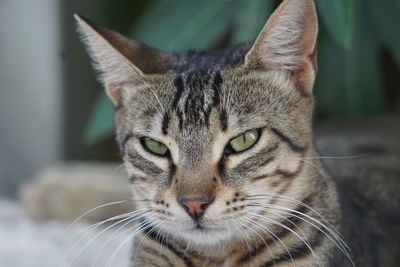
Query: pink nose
x,y
195,207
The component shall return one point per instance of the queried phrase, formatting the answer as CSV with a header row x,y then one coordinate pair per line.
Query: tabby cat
x,y
219,148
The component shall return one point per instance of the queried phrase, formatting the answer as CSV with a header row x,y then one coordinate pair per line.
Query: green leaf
x,y
149,28
338,16
121,14
397,2
350,81
364,76
330,84
250,17
182,24
386,16
205,27
101,121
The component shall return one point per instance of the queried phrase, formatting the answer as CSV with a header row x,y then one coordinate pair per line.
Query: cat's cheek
x,y
234,160
158,161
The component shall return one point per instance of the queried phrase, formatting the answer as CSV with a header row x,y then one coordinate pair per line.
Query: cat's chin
x,y
205,235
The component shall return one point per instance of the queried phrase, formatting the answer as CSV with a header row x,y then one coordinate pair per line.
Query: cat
x,y
219,148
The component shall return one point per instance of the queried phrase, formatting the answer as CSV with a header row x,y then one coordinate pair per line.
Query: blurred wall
x,y
30,89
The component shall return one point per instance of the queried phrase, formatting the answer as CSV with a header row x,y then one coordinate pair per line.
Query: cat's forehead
x,y
209,92
191,102
196,94
208,100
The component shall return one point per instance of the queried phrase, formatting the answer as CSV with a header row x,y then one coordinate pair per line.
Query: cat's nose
x,y
195,207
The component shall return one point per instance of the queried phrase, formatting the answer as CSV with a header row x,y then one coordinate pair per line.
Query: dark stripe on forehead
x,y
197,79
223,117
288,141
180,87
198,92
216,88
165,124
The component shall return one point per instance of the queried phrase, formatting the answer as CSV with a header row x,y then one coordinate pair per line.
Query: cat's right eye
x,y
244,141
154,146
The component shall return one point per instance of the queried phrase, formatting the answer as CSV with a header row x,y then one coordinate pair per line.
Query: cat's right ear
x,y
120,60
288,43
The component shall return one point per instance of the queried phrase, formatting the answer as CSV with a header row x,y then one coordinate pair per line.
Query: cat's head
x,y
209,138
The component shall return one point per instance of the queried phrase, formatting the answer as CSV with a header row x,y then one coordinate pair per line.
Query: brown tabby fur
x,y
271,205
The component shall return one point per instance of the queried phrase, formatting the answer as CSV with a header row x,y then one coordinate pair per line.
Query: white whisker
x,y
117,169
259,236
110,238
275,237
131,218
296,201
335,239
141,228
338,157
328,227
244,239
140,243
324,175
86,230
290,230
95,208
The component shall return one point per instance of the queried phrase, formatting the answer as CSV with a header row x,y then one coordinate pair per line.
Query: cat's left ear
x,y
288,43
120,60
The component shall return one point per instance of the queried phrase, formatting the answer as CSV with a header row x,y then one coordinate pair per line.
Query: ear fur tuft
x,y
288,41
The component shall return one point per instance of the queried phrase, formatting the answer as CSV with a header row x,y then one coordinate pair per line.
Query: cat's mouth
x,y
199,226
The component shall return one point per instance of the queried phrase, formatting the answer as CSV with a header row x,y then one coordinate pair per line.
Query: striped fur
x,y
268,206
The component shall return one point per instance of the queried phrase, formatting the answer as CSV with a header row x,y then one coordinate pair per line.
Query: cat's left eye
x,y
244,141
154,146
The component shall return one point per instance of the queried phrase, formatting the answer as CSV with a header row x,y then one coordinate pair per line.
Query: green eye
x,y
244,141
154,146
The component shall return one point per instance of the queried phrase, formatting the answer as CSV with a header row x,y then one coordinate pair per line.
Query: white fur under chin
x,y
205,237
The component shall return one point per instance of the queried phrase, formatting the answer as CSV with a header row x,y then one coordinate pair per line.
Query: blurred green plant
x,y
353,34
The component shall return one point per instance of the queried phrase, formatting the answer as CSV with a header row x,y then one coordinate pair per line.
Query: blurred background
x,y
56,122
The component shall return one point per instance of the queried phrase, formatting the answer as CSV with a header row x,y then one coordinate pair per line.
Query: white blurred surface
x,y
27,243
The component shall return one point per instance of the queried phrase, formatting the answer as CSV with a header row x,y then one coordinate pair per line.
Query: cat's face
x,y
207,142
188,144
